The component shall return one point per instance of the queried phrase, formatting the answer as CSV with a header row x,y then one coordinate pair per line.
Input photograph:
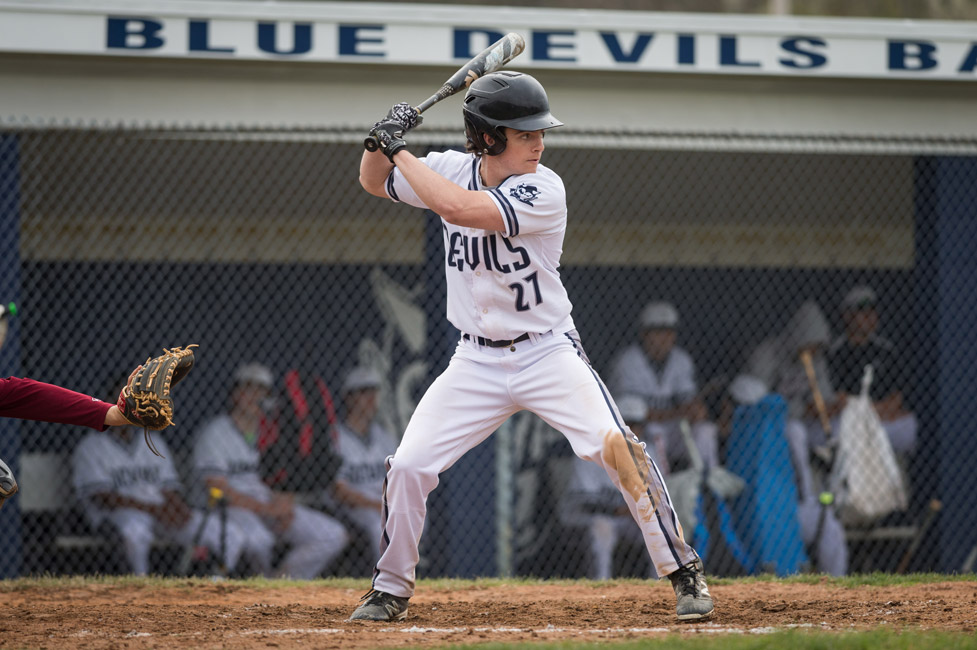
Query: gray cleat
x,y
380,606
8,484
694,602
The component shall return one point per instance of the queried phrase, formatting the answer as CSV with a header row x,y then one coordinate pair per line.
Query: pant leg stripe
x,y
384,514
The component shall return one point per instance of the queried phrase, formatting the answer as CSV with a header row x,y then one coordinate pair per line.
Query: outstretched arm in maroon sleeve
x,y
27,399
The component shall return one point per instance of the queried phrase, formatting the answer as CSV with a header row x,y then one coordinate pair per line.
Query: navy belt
x,y
495,344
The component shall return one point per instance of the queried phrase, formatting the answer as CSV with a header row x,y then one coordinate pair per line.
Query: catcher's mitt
x,y
145,399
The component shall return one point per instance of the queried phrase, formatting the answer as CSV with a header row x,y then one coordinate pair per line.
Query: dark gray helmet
x,y
501,99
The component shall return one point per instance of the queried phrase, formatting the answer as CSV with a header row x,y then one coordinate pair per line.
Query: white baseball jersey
x,y
502,284
221,450
363,466
104,462
664,385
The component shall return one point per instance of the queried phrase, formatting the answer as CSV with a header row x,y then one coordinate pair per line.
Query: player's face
x,y
659,342
249,397
862,322
523,151
363,401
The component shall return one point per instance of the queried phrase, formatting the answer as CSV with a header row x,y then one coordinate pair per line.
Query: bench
x,y
57,539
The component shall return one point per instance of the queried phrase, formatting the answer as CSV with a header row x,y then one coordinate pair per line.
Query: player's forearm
x,y
234,498
28,399
113,501
374,169
349,497
114,417
890,406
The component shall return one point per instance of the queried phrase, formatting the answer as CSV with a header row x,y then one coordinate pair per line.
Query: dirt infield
x,y
242,616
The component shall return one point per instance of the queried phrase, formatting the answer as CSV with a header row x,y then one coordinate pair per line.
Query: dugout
x,y
727,169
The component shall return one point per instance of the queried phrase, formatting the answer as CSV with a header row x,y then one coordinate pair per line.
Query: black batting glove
x,y
404,114
389,137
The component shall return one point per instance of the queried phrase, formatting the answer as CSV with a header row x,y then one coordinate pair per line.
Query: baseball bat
x,y
819,404
488,60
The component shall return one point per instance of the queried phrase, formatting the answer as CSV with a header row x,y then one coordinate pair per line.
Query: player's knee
x,y
407,475
624,459
260,539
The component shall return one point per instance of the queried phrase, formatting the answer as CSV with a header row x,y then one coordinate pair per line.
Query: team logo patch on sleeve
x,y
525,193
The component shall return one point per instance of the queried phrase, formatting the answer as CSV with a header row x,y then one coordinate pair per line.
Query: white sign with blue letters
x,y
447,35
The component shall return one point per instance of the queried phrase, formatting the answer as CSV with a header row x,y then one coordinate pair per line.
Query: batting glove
x,y
389,136
404,114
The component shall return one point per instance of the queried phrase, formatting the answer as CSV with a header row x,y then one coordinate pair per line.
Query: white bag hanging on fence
x,y
866,479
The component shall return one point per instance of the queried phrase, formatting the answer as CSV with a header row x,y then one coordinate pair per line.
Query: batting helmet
x,y
504,99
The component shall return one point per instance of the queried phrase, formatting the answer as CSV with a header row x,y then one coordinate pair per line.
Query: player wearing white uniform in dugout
x,y
119,480
503,219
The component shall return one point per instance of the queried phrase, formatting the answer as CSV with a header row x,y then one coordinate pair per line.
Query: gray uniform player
x,y
119,481
364,446
664,374
225,456
503,218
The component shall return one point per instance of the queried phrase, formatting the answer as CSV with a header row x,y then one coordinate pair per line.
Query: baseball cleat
x,y
8,484
380,606
693,599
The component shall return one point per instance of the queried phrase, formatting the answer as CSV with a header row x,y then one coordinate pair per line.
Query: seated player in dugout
x,y
226,457
504,216
664,373
860,345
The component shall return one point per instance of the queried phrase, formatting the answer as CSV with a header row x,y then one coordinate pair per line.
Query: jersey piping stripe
x,y
390,186
473,185
507,209
617,421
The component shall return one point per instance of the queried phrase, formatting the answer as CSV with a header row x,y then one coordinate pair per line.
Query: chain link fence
x,y
319,309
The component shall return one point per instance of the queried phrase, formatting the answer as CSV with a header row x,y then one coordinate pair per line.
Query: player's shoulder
x,y
93,442
630,352
629,357
882,343
448,160
217,426
544,184
681,358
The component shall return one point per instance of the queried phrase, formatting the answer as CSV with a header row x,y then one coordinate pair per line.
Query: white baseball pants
x,y
549,375
314,539
138,529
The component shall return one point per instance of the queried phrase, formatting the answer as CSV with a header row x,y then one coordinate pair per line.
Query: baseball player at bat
x,y
793,363
503,217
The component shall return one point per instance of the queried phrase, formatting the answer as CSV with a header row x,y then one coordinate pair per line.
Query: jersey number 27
x,y
531,280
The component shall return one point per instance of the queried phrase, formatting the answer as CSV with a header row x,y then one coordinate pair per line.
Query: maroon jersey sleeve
x,y
27,399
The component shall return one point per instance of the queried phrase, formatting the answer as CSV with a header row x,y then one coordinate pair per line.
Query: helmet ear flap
x,y
476,129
